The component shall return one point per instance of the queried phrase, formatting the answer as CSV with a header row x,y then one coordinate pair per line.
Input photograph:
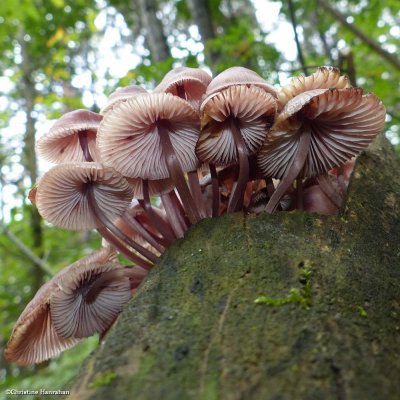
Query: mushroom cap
x,y
73,315
128,137
323,78
342,124
193,80
254,111
61,143
62,197
34,338
121,95
156,187
236,76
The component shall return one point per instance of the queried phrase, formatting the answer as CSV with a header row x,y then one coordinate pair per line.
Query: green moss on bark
x,y
193,330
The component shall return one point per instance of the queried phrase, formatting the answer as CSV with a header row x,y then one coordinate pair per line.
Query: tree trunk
x,y
202,17
154,33
330,328
29,160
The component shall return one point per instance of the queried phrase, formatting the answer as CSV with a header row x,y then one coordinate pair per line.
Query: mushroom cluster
x,y
150,165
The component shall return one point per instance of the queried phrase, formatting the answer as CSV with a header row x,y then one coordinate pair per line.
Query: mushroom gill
x,y
34,338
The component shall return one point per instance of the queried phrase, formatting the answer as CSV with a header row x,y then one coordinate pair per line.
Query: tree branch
x,y
374,45
27,252
296,38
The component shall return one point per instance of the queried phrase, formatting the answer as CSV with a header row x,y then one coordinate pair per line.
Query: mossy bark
x,y
194,331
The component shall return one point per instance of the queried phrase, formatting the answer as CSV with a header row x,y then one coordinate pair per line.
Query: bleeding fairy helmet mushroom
x,y
62,195
72,138
323,78
89,298
153,136
82,196
121,95
236,114
187,83
34,337
316,131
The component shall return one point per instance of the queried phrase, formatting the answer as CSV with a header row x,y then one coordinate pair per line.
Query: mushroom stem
x,y
156,219
299,194
136,275
176,172
180,91
215,190
146,224
138,228
329,190
236,201
179,207
292,172
117,232
195,189
123,249
83,141
175,219
341,181
269,184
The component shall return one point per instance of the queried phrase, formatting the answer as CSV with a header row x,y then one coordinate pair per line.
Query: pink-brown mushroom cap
x,y
193,80
62,199
236,76
61,143
129,141
121,95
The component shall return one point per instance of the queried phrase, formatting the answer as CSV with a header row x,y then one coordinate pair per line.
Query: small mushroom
x,y
71,138
34,338
187,83
316,131
323,78
89,298
153,136
235,118
85,196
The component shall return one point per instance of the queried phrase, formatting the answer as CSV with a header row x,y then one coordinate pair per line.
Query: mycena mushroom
x,y
316,131
71,138
153,136
187,83
82,196
34,338
89,298
236,114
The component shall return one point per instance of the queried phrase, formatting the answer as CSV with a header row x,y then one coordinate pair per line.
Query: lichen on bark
x,y
194,331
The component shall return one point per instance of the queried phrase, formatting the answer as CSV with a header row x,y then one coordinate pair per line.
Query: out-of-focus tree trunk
x,y
29,160
155,37
331,331
202,17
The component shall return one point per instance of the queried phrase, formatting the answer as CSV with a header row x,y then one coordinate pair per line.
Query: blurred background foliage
x,y
59,55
